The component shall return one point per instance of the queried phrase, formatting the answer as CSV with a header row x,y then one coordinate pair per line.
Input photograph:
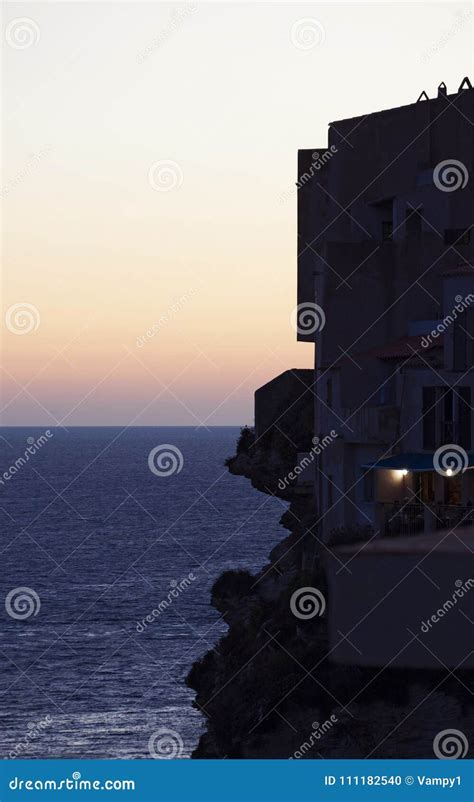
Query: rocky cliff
x,y
269,690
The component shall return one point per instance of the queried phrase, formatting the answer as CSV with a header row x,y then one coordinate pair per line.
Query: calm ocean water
x,y
101,540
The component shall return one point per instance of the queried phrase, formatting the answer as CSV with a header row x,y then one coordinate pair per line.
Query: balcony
x,y
413,519
369,424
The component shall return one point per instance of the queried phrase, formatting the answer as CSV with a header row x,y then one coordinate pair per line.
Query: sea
x,y
111,539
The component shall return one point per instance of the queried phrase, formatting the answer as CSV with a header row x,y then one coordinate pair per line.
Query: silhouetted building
x,y
385,263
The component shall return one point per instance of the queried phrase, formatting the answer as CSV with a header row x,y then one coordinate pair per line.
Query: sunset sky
x,y
227,93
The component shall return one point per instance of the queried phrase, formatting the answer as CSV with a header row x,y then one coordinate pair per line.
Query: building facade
x,y
386,293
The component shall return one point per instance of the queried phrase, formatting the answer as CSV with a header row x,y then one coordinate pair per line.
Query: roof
x,y
399,349
405,347
458,270
303,375
411,462
450,98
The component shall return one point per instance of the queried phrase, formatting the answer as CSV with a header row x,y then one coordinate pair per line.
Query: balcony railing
x,y
412,519
400,519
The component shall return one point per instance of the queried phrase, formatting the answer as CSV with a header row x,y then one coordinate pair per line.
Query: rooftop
x,y
464,86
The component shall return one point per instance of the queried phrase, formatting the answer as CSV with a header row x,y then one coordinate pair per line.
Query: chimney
x,y
442,91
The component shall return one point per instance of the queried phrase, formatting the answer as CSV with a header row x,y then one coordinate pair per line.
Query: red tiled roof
x,y
405,347
458,270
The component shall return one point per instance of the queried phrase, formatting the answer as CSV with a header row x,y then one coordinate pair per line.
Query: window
x,y
457,236
464,341
329,393
464,417
368,484
425,487
412,221
387,230
429,418
446,417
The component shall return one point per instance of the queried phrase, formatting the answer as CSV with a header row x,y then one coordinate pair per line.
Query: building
x,y
386,292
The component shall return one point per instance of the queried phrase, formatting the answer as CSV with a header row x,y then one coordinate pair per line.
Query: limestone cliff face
x,y
269,689
265,461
